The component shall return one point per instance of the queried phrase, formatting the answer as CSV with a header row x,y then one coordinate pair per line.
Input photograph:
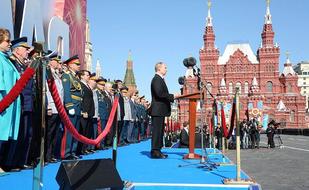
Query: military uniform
x,y
104,105
53,121
72,102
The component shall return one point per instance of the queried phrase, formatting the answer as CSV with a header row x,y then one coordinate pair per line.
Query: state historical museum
x,y
264,92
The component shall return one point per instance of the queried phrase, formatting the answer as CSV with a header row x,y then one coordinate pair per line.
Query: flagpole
x,y
238,161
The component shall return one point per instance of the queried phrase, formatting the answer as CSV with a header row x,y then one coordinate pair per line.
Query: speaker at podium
x,y
94,174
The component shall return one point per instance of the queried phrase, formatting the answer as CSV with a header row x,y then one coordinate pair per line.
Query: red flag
x,y
232,118
225,132
210,126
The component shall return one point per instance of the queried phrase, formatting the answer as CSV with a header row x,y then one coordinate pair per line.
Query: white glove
x,y
72,112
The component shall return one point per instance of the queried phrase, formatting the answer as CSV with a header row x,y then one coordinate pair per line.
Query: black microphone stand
x,y
204,160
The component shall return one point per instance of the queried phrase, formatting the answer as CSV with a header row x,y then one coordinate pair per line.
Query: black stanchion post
x,y
115,139
38,170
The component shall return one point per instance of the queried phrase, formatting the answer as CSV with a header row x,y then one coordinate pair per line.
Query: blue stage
x,y
134,165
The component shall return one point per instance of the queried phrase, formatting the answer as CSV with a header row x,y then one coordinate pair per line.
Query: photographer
x,y
270,131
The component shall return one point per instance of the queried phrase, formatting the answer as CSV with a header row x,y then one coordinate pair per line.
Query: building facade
x,y
302,69
265,93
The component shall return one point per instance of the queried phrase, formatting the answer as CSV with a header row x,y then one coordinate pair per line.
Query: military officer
x,y
53,120
104,103
72,101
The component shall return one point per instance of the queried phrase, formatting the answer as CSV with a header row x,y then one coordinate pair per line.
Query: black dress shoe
x,y
165,155
71,157
27,167
157,155
15,170
53,160
77,157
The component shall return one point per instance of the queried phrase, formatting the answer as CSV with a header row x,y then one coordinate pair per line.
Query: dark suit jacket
x,y
161,99
184,139
87,104
121,106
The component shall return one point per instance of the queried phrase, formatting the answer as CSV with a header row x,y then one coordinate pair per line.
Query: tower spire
x,y
98,68
209,36
209,18
129,79
268,15
130,56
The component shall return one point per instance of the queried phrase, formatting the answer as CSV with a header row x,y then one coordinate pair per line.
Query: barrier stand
x,y
238,180
38,170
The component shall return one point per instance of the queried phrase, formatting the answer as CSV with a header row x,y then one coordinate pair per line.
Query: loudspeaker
x,y
88,175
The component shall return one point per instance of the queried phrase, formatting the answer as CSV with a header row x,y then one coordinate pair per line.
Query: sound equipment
x,y
88,175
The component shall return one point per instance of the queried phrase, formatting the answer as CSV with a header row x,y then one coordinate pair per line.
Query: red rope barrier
x,y
225,130
68,124
99,127
17,89
232,119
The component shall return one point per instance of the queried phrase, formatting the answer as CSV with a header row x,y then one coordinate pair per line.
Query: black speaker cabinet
x,y
95,174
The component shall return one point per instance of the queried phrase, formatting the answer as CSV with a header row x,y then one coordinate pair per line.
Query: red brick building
x,y
265,93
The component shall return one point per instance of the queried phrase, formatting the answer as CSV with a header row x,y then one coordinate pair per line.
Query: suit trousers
x,y
157,133
51,134
86,129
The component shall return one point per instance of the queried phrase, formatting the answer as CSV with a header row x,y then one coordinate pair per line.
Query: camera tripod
x,y
280,143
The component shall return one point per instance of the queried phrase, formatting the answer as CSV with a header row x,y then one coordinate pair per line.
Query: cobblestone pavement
x,y
284,168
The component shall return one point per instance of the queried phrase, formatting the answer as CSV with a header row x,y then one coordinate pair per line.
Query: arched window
x,y
292,116
289,88
269,86
246,89
231,88
238,85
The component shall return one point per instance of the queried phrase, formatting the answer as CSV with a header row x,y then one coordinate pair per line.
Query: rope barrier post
x,y
38,170
115,142
214,125
115,139
238,180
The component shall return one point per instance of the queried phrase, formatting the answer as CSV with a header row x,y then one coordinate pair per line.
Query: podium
x,y
193,98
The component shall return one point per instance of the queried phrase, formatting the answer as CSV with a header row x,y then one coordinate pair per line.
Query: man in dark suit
x,y
184,136
160,108
87,111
